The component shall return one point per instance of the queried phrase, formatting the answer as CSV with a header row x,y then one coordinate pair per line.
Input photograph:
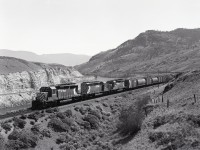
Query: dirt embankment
x,y
176,126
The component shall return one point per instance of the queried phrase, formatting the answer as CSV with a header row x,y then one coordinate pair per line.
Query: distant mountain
x,y
176,50
66,59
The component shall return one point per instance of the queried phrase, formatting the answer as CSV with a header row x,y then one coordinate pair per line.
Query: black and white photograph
x,y
99,75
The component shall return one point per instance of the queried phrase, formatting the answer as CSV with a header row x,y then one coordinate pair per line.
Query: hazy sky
x,y
88,26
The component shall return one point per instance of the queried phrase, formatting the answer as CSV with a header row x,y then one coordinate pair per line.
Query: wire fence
x,y
160,98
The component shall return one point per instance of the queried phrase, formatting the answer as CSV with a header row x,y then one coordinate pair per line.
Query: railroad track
x,y
68,103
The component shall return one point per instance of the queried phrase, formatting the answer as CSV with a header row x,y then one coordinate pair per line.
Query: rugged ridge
x,y
175,50
19,86
66,59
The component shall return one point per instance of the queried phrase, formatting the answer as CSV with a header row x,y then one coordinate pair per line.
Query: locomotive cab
x,y
52,92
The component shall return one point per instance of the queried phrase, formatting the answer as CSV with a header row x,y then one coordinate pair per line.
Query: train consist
x,y
53,95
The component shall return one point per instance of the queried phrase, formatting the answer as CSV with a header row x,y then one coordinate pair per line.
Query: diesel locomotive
x,y
53,95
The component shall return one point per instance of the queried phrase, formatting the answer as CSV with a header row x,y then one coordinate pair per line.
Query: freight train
x,y
52,95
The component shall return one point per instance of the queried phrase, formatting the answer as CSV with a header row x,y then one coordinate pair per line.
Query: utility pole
x,y
158,77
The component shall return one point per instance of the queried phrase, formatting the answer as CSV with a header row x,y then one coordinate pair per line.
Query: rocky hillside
x,y
175,50
18,76
115,122
66,59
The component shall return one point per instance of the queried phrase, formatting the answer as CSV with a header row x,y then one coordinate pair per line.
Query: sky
x,y
88,26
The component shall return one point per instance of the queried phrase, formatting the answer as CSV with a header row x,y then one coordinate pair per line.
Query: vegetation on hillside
x,y
151,51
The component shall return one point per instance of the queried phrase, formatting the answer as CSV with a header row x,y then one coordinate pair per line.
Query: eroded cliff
x,y
19,87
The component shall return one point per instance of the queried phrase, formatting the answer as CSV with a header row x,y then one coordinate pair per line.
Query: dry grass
x,y
93,121
17,122
2,143
6,126
20,140
57,125
36,115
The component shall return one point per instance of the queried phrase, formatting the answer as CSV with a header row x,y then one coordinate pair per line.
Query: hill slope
x,y
175,127
66,59
175,50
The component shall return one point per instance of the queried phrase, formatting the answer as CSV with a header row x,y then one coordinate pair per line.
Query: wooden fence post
x,y
167,103
145,110
195,98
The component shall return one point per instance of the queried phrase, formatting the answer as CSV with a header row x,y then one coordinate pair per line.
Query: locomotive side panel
x,y
107,87
92,88
119,85
67,93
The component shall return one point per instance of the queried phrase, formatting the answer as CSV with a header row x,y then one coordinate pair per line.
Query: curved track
x,y
67,102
